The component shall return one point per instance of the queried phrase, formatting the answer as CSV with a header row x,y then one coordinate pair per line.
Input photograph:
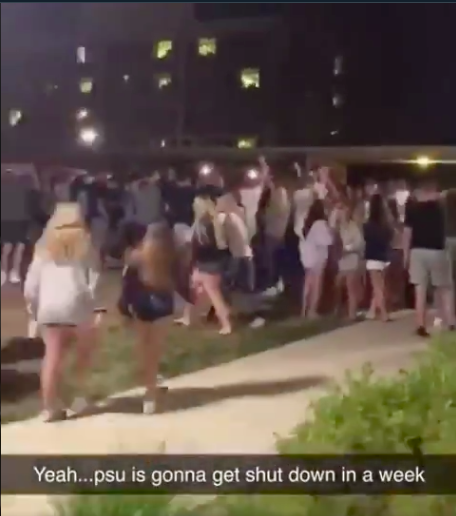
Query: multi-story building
x,y
145,76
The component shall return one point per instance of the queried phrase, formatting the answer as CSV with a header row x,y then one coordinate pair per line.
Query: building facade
x,y
147,76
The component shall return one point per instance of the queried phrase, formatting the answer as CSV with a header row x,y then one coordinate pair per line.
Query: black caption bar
x,y
220,474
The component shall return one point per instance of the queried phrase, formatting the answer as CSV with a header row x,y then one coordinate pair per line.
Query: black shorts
x,y
213,268
15,232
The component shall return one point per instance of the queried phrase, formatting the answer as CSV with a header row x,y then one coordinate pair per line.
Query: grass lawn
x,y
187,350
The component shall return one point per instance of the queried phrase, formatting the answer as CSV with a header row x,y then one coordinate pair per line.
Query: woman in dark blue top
x,y
377,237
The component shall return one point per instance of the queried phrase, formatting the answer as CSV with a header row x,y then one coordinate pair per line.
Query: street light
x,y
82,114
88,136
423,161
252,174
205,170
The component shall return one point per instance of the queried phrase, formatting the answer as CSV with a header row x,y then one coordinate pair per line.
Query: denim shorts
x,y
147,306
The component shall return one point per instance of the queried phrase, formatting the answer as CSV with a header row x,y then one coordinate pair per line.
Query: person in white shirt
x,y
59,291
232,216
314,250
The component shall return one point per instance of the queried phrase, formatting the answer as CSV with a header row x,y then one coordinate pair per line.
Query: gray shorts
x,y
349,262
430,267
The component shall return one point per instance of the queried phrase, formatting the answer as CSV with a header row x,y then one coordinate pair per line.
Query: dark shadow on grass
x,y
17,385
17,349
173,400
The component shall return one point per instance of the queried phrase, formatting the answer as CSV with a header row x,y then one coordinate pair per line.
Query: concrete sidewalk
x,y
235,408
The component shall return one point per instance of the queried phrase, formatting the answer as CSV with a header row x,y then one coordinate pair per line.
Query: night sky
x,y
412,44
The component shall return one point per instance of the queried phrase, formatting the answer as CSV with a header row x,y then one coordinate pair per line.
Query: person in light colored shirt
x,y
59,291
314,250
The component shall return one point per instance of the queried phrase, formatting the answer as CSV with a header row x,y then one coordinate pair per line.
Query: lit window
x,y
337,100
81,55
163,49
15,116
86,85
250,78
338,65
163,143
246,143
163,80
51,88
207,47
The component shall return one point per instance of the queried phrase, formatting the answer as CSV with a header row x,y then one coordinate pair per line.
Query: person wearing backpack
x,y
209,254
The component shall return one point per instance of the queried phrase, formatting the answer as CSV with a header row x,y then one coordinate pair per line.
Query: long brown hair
x,y
316,212
156,259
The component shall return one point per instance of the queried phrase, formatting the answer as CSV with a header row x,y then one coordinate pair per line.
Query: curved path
x,y
233,408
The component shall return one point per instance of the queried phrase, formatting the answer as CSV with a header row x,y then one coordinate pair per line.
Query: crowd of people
x,y
204,241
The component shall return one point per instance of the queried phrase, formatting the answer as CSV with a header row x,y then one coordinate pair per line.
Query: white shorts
x,y
376,265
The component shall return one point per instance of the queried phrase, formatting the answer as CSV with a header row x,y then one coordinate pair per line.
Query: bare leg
x,y
149,349
86,338
420,305
18,255
352,293
378,285
6,253
186,318
445,300
307,291
211,285
55,340
316,293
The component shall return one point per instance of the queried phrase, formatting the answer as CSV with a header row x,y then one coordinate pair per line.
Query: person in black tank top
x,y
146,299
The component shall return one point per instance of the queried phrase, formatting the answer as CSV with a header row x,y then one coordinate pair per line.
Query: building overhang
x,y
421,155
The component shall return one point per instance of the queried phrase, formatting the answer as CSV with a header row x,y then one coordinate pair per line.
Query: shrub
x,y
417,408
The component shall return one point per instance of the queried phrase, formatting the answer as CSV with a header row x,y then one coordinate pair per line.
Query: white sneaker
x,y
270,292
149,407
4,278
259,322
438,323
14,277
79,405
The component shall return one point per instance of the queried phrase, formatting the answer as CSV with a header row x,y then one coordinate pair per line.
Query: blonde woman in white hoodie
x,y
59,291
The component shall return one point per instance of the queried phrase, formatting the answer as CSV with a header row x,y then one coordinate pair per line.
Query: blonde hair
x,y
206,209
156,259
65,236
